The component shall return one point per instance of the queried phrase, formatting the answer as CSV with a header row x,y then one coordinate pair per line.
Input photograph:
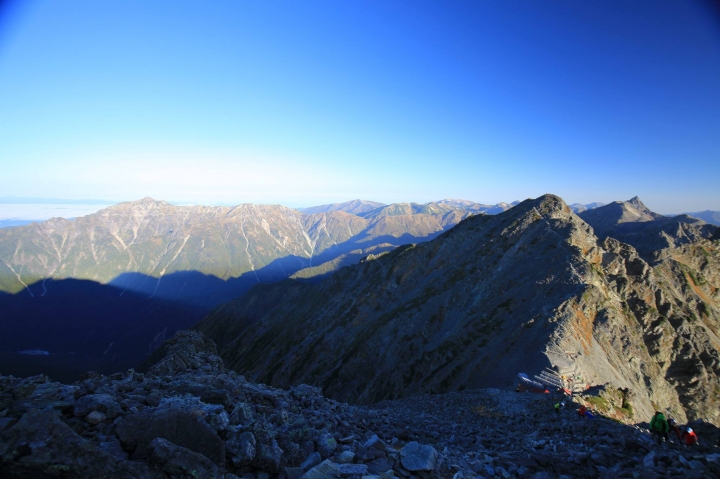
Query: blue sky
x,y
303,103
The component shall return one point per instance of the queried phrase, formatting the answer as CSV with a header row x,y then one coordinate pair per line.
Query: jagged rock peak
x,y
545,204
637,203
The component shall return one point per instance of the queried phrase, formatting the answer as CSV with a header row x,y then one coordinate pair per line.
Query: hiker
x,y
558,406
659,427
689,438
672,426
581,411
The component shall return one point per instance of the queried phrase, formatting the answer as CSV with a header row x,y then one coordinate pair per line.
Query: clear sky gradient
x,y
304,103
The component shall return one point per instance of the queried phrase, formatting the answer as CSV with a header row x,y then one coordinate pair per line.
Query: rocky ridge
x,y
530,289
188,416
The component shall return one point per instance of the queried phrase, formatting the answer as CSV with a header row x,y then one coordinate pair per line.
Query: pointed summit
x,y
606,219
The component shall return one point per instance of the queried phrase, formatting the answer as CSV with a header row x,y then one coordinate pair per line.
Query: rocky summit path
x,y
189,417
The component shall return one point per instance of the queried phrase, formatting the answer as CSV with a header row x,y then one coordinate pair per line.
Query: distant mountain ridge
x,y
355,207
712,217
155,238
579,208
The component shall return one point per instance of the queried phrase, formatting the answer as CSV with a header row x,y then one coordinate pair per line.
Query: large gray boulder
x,y
183,428
180,461
325,470
241,446
417,457
103,403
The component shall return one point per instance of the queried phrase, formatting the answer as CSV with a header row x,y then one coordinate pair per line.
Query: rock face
x,y
528,289
204,421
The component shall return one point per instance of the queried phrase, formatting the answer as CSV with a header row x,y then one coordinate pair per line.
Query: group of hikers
x,y
582,411
661,427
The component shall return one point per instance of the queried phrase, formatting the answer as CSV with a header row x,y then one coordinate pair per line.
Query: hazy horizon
x,y
38,211
315,103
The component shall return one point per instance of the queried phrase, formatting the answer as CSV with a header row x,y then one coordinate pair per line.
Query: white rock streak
x,y
18,277
185,240
247,250
324,226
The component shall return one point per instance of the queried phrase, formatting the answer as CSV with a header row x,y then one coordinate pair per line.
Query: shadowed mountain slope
x,y
72,326
530,288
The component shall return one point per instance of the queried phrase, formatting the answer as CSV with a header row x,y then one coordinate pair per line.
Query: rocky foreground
x,y
188,416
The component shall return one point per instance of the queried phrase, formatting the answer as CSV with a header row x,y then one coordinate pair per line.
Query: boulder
x,y
242,413
649,459
379,465
268,457
103,403
375,443
326,445
241,446
180,461
345,457
181,427
312,460
417,457
350,470
325,470
95,417
294,472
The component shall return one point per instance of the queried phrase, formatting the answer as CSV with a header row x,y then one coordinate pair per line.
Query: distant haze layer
x,y
42,212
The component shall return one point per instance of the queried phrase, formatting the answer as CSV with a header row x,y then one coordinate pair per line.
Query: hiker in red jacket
x,y
689,438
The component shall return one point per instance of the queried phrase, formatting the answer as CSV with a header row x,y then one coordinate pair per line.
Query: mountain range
x,y
617,295
175,256
383,301
140,245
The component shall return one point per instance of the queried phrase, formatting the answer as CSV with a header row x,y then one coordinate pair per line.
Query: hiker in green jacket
x,y
659,426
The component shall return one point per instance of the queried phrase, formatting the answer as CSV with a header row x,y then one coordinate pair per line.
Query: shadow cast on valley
x,y
65,327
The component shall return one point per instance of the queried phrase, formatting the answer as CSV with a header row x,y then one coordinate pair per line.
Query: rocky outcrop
x,y
205,421
530,289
